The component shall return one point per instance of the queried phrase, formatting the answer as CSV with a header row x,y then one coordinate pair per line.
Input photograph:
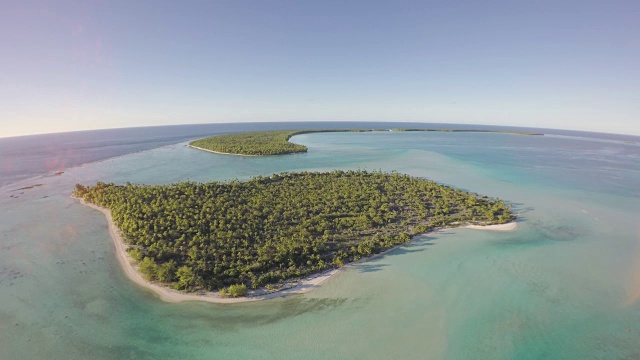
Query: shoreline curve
x,y
301,286
218,152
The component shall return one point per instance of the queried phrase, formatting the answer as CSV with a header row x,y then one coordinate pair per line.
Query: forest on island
x,y
252,143
269,229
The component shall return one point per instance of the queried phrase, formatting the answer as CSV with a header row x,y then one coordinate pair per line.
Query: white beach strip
x,y
499,227
218,152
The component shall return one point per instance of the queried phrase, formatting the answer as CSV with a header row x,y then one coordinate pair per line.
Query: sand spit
x,y
218,152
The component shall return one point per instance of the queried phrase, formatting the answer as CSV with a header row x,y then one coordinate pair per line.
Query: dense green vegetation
x,y
252,143
235,290
276,142
268,229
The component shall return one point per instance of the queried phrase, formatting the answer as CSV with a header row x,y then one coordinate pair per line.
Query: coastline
x,y
175,296
498,227
218,152
294,287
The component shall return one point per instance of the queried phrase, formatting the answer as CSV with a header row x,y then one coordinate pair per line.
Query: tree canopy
x,y
269,229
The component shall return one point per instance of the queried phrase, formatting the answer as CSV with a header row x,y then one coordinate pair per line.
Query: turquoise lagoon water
x,y
564,285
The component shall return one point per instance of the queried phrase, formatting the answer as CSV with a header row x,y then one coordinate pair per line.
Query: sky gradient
x,y
70,65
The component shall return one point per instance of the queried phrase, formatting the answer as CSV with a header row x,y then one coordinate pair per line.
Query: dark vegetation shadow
x,y
368,268
405,250
417,244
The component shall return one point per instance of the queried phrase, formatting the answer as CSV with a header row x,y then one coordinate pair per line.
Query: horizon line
x,y
317,121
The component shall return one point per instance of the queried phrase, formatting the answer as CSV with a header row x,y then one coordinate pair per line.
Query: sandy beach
x,y
499,227
293,287
218,152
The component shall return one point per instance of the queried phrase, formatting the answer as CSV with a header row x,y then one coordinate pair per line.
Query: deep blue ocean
x,y
565,284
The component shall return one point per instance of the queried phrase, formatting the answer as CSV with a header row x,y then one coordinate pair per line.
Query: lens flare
x,y
635,277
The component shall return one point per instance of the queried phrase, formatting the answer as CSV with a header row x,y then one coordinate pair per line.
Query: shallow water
x,y
565,284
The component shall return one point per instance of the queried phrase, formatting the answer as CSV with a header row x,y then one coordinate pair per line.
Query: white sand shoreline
x,y
218,152
499,227
295,287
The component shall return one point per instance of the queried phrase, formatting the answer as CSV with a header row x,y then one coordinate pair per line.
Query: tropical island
x,y
238,235
276,142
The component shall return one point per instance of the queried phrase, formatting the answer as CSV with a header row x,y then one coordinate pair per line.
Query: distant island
x,y
276,142
239,235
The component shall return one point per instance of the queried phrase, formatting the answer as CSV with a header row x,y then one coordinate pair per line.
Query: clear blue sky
x,y
71,65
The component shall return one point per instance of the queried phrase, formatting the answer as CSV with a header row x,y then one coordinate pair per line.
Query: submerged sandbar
x,y
276,142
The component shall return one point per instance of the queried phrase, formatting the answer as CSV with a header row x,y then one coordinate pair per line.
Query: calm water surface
x,y
565,285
